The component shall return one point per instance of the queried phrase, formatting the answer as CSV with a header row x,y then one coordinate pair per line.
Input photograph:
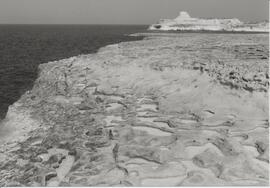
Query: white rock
x,y
185,22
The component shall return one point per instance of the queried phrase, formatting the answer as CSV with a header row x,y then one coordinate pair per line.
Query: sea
x,y
24,47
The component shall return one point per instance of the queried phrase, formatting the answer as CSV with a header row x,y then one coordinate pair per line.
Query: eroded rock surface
x,y
171,110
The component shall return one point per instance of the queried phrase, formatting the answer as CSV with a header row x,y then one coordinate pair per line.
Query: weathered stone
x,y
152,112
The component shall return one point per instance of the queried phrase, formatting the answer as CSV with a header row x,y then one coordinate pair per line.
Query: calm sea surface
x,y
24,47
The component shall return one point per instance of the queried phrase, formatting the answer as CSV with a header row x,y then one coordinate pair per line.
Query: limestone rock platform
x,y
170,110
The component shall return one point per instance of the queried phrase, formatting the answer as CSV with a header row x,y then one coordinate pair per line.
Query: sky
x,y
126,11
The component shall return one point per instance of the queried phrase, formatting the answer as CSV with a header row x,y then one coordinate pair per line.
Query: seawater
x,y
24,47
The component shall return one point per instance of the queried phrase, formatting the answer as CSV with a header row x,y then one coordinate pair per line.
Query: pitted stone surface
x,y
171,110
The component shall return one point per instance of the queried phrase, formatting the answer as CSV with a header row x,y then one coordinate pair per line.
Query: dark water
x,y
24,47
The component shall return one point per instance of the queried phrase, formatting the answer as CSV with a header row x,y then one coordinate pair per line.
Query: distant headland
x,y
184,22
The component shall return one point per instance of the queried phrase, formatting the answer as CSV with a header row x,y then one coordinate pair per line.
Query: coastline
x,y
184,22
208,31
127,95
24,47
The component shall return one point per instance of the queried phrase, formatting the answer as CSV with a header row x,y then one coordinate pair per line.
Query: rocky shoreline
x,y
170,110
184,22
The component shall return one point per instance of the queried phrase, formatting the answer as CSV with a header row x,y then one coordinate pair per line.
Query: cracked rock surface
x,y
170,110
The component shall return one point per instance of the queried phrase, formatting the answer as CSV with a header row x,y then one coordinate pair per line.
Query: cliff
x,y
186,23
170,110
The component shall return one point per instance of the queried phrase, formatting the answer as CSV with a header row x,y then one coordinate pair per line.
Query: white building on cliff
x,y
184,22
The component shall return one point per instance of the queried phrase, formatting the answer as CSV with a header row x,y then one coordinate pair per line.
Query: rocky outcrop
x,y
186,23
164,111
